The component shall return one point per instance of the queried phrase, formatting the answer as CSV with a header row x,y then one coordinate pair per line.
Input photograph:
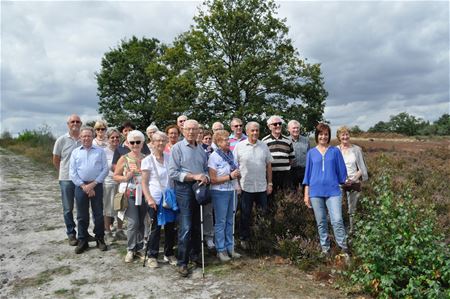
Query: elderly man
x,y
88,169
237,135
62,149
255,163
283,154
180,123
301,146
187,165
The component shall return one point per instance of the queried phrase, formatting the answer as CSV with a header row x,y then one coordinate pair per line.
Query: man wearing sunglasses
x,y
282,153
62,150
237,135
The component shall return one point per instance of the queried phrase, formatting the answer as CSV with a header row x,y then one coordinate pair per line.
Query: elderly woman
x,y
325,171
128,174
150,131
155,180
173,132
223,171
100,140
356,170
110,187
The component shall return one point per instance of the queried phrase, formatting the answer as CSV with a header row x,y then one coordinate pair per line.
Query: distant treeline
x,y
407,124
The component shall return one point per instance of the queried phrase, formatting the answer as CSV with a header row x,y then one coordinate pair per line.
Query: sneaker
x,y
91,238
129,257
73,240
183,271
81,247
210,244
223,257
234,255
245,245
120,235
101,244
172,260
152,263
140,254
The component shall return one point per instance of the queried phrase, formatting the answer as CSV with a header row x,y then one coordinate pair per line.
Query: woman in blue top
x,y
325,171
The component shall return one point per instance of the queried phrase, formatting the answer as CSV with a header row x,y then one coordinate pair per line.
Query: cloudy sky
x,y
379,58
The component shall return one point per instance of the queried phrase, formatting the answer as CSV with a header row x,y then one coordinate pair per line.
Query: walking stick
x,y
203,250
147,238
234,212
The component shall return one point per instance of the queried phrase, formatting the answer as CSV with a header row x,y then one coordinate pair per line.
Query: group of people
x,y
93,166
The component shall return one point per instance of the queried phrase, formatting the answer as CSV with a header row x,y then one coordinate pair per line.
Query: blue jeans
x,y
68,200
334,206
189,241
247,200
155,235
83,212
223,209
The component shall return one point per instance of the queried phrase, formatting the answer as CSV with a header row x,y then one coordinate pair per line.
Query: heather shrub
x,y
398,251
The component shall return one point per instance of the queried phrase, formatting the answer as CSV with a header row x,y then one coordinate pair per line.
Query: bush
x,y
398,251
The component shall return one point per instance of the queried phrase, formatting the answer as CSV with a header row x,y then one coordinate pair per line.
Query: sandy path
x,y
36,260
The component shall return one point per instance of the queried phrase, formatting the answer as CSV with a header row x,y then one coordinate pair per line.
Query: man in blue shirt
x,y
88,169
187,165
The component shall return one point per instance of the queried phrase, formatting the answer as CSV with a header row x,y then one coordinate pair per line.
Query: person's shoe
x,y
152,263
129,257
91,238
73,240
109,236
210,244
172,260
183,271
223,257
234,255
120,235
245,245
81,247
101,244
140,254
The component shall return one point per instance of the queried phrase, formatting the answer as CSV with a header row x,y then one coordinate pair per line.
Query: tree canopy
x,y
235,61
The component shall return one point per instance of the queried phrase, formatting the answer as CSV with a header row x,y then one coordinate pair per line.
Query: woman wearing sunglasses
x,y
128,174
100,140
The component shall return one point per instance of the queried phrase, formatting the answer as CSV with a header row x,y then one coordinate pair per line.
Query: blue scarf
x,y
227,157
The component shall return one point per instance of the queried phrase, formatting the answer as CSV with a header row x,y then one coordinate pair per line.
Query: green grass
x,y
41,278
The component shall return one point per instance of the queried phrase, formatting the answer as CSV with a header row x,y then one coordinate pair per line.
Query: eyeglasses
x,y
75,122
135,142
277,124
100,129
237,126
181,120
114,137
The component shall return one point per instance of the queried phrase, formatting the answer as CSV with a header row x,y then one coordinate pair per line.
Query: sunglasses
x,y
75,122
237,126
277,124
135,142
100,129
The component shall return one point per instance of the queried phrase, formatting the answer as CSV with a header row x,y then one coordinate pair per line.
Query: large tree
x,y
246,66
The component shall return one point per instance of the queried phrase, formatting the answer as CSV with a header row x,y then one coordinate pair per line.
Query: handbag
x,y
166,203
352,186
121,200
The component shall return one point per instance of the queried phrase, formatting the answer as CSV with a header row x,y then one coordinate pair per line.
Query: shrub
x,y
398,251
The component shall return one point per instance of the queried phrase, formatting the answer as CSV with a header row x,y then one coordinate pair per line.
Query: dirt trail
x,y
36,260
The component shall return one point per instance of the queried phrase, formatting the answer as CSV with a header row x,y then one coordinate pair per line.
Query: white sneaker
x,y
223,257
172,260
210,244
152,263
233,254
129,257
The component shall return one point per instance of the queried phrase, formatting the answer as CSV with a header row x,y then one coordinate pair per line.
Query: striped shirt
x,y
281,150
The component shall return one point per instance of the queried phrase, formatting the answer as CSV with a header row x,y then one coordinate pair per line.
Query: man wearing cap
x,y
188,165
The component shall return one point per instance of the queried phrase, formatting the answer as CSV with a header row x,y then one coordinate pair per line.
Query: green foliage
x,y
398,251
39,137
246,66
406,124
356,130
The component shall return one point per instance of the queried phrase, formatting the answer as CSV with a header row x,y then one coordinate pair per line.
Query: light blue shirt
x,y
87,165
187,159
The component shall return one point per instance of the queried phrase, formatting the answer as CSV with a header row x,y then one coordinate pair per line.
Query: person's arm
x,y
306,179
56,161
306,198
340,167
145,179
105,169
360,163
269,178
73,171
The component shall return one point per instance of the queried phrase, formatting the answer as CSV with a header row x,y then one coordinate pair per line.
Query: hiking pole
x,y
147,219
234,212
201,232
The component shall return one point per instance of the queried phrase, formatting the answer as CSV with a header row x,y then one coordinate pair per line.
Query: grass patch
x,y
79,282
41,278
66,293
